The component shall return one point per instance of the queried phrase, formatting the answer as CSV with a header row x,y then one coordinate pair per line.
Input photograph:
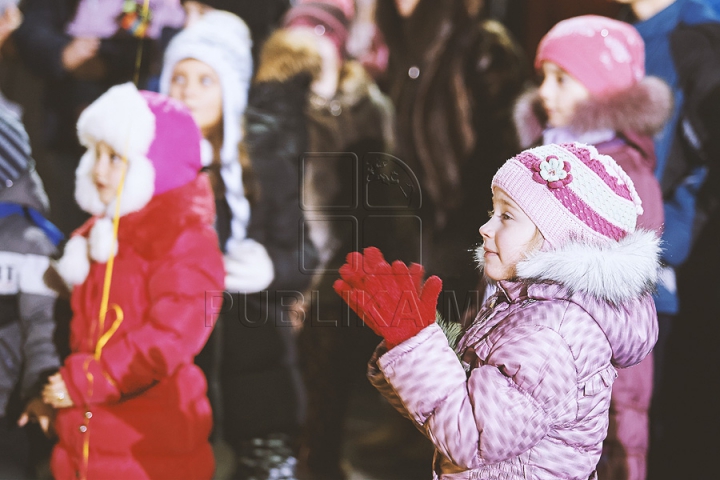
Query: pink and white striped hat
x,y
571,192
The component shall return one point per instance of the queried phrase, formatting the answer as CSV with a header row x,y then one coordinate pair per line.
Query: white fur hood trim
x,y
614,272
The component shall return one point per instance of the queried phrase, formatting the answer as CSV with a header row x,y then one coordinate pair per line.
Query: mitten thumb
x,y
429,297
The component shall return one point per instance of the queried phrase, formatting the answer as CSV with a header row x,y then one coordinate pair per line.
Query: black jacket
x,y
40,41
261,387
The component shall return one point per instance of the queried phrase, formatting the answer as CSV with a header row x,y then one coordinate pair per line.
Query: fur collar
x,y
643,108
286,54
289,53
354,85
614,272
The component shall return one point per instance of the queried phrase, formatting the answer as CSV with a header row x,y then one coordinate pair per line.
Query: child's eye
x,y
206,81
179,80
115,158
506,216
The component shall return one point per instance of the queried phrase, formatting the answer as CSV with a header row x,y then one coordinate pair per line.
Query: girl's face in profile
x,y
107,172
560,93
508,237
198,86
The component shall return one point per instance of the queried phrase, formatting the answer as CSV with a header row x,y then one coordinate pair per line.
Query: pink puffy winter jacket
x,y
526,393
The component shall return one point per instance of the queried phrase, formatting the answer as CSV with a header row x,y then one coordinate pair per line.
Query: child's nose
x,y
545,90
485,230
101,166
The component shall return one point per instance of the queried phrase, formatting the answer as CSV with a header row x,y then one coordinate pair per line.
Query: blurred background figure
x,y
261,16
453,76
258,398
682,41
80,48
27,352
347,119
612,105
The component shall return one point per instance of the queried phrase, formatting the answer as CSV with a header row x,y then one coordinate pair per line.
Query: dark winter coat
x,y
40,41
452,78
260,380
141,404
27,353
348,135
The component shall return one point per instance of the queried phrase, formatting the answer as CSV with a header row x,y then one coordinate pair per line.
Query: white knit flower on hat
x,y
553,172
551,169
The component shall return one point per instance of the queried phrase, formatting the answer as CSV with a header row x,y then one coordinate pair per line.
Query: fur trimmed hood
x,y
610,281
642,109
289,53
611,272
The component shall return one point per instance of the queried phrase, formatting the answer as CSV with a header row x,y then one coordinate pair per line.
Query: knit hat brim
x,y
571,192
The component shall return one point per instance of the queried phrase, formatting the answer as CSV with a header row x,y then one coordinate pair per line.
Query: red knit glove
x,y
391,300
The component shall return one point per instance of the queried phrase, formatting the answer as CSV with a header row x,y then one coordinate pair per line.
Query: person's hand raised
x,y
390,299
79,51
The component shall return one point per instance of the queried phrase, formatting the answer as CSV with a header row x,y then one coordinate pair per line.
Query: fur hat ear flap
x,y
86,194
122,119
137,191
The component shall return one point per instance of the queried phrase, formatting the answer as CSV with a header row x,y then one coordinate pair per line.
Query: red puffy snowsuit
x,y
142,407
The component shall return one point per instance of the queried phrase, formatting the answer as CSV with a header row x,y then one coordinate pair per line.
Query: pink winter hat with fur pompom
x,y
571,193
156,134
603,54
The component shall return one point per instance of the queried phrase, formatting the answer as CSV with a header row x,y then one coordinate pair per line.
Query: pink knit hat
x,y
571,192
605,55
328,18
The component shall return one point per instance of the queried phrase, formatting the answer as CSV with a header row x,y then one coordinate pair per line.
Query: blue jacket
x,y
682,44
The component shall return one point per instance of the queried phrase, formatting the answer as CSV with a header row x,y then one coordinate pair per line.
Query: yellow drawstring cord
x,y
105,336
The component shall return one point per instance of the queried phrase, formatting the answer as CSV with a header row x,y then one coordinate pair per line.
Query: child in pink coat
x,y
525,393
594,90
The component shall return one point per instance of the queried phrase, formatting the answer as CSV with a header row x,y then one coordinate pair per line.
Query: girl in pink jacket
x,y
595,91
525,393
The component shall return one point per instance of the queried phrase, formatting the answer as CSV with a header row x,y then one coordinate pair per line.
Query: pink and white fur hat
x,y
586,208
161,142
155,133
